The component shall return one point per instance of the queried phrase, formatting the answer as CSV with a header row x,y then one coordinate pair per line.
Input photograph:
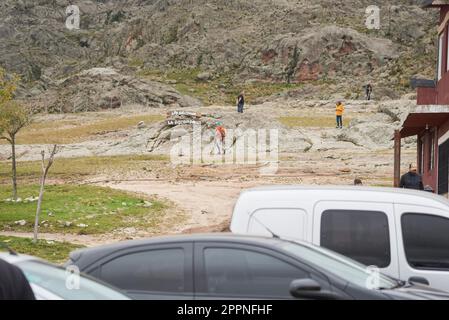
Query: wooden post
x,y
397,158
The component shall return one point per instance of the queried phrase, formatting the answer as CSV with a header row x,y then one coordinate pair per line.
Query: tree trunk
x,y
38,210
45,169
14,168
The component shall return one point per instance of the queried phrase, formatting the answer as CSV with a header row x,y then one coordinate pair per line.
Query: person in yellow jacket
x,y
339,110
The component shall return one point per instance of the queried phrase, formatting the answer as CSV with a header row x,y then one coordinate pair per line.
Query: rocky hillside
x,y
104,88
320,43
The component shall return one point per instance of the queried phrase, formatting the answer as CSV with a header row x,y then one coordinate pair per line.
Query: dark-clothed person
x,y
240,102
412,180
368,91
13,283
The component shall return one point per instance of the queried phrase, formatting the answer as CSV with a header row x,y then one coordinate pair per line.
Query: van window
x,y
426,241
360,235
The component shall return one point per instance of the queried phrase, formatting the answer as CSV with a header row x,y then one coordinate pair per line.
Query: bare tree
x,y
45,169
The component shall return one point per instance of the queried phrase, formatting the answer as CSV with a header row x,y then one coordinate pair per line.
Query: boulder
x,y
204,76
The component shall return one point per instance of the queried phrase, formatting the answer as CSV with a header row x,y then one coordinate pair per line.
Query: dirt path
x,y
206,204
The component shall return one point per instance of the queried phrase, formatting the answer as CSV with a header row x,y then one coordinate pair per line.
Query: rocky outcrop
x,y
288,40
104,88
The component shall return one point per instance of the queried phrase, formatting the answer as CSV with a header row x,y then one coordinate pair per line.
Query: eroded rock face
x,y
324,51
105,88
251,39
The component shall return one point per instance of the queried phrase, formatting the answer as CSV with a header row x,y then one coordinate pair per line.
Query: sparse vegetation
x,y
291,69
53,251
80,210
172,35
68,169
220,90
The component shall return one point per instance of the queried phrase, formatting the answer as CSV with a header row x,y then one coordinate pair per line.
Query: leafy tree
x,y
8,85
13,117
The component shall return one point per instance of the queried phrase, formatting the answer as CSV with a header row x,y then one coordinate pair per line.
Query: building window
x,y
440,56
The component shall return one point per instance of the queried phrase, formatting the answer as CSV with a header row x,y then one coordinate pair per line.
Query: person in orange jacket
x,y
220,135
339,110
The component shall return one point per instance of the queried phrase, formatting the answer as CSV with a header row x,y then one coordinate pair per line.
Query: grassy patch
x,y
75,168
80,210
315,122
219,90
71,131
53,251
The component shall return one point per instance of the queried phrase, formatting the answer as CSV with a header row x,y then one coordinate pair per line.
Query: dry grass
x,y
68,169
312,121
220,90
72,131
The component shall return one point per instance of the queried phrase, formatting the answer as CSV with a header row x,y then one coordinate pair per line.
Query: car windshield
x,y
341,266
56,281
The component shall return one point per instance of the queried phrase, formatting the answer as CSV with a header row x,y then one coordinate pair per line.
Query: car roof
x,y
392,192
87,254
14,259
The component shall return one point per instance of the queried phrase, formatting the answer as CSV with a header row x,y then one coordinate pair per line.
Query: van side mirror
x,y
310,289
419,280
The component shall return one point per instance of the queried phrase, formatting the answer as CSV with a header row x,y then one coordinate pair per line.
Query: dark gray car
x,y
227,266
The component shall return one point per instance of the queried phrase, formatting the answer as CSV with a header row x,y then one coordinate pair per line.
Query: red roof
x,y
418,122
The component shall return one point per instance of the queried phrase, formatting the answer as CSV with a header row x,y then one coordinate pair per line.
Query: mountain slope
x,y
323,42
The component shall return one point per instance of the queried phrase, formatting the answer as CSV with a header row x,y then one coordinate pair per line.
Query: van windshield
x,y
341,266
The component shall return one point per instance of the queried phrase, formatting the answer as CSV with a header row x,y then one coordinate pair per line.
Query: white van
x,y
403,232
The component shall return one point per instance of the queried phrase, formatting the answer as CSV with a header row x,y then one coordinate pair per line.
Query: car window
x,y
426,241
360,235
55,280
248,273
339,265
152,270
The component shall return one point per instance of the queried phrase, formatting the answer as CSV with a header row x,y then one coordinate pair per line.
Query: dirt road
x,y
205,204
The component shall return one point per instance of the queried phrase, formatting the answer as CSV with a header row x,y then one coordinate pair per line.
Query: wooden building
x,y
430,120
